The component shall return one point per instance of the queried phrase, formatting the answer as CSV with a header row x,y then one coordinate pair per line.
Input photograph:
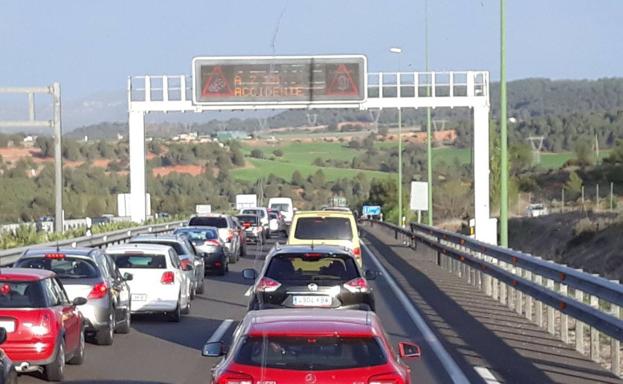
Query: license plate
x,y
311,301
8,325
139,297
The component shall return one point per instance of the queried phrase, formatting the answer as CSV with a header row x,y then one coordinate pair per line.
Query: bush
x,y
278,152
257,154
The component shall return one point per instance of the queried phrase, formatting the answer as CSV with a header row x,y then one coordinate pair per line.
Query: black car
x,y
8,375
301,276
207,243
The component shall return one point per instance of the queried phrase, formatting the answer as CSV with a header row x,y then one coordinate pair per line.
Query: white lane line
x,y
452,368
220,331
486,375
248,292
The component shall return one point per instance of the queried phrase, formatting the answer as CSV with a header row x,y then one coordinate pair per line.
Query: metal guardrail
x,y
10,256
533,287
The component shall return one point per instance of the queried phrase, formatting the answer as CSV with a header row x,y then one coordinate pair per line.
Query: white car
x,y
159,283
536,210
262,213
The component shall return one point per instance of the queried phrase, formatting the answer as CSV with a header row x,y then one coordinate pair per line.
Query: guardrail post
x,y
594,350
529,299
551,329
615,346
519,296
503,292
538,304
564,319
579,326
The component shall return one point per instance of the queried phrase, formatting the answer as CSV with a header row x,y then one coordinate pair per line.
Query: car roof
x,y
78,251
139,247
156,238
307,248
312,322
24,274
324,214
197,228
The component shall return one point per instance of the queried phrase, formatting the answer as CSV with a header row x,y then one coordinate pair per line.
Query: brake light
x,y
98,291
385,379
55,256
212,242
167,278
357,285
357,252
267,285
234,378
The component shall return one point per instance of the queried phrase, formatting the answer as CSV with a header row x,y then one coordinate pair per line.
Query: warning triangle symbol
x,y
342,83
216,85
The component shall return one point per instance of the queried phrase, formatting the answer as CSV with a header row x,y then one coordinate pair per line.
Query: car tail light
x,y
357,252
212,242
234,378
55,256
167,278
267,285
98,291
357,285
387,378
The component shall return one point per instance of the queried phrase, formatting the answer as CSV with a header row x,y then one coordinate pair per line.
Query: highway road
x,y
156,351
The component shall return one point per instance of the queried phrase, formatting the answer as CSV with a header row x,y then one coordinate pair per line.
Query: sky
x,y
93,46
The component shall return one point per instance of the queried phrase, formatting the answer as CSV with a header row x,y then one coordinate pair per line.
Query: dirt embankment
x,y
590,241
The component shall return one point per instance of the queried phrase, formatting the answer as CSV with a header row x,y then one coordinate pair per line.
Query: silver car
x,y
227,232
90,273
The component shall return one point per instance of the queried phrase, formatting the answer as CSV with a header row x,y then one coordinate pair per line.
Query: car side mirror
x,y
409,350
128,276
249,274
213,349
371,275
2,335
79,301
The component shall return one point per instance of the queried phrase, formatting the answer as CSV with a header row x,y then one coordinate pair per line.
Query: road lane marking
x,y
486,375
220,331
452,368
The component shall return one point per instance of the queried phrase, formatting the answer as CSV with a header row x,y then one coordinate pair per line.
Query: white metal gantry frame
x,y
464,89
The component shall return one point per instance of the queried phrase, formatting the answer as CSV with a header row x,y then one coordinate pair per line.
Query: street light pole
x,y
503,131
398,51
429,153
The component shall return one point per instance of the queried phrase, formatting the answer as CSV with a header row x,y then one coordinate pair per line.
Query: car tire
x,y
222,270
127,324
176,315
105,336
186,310
78,357
201,287
243,251
55,371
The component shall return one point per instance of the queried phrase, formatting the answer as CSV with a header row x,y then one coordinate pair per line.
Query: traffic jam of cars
x,y
310,311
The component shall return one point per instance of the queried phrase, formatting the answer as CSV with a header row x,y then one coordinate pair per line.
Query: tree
x,y
237,157
46,145
583,153
257,154
278,152
573,186
297,179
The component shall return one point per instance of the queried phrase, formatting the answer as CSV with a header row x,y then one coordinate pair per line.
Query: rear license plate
x,y
311,301
8,325
139,297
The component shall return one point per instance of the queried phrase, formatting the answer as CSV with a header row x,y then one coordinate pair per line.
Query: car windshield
x,y
248,219
257,212
323,228
312,266
21,294
173,244
140,261
311,353
65,267
280,207
218,222
198,236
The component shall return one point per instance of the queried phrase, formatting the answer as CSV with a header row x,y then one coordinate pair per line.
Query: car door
x,y
72,322
236,237
174,260
119,288
198,263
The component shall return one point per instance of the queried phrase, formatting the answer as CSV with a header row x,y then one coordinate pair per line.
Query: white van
x,y
283,204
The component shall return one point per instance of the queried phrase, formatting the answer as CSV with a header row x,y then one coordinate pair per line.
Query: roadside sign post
x,y
419,198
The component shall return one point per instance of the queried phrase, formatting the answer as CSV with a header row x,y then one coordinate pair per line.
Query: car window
x,y
103,265
179,248
256,212
174,258
60,291
65,267
323,228
198,236
140,261
310,353
21,294
293,267
218,222
248,219
114,271
280,207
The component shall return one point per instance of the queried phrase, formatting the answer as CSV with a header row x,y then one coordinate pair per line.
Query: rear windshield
x,y
198,236
293,267
280,207
218,222
65,268
258,212
248,219
273,215
323,228
142,261
310,354
21,294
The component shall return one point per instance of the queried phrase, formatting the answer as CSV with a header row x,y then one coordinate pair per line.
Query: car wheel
x,y
55,371
186,310
201,287
193,291
105,335
176,315
127,324
78,357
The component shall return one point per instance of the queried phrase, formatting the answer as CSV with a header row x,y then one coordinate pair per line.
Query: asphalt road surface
x,y
156,351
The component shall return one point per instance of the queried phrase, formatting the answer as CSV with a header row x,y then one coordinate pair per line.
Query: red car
x,y
44,328
311,346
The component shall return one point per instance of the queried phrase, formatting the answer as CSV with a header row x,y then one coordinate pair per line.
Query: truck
x,y
246,201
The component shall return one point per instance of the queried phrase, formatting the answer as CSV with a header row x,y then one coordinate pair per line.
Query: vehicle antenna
x,y
58,248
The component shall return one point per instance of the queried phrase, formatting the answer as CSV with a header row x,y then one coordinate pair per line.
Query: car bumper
x,y
36,352
214,260
153,306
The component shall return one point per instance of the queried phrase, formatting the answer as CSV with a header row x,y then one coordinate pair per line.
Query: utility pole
x,y
503,131
58,159
429,147
398,51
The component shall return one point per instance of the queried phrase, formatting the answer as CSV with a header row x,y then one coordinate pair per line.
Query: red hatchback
x,y
311,346
44,329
